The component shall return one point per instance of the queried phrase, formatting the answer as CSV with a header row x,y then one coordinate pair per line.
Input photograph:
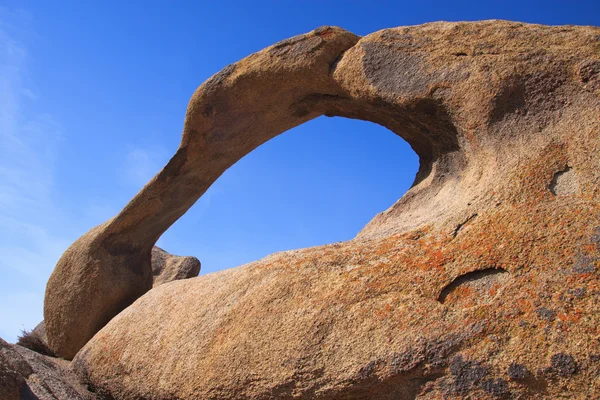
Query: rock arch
x,y
401,78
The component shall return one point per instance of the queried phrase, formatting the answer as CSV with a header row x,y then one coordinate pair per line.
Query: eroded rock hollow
x,y
475,282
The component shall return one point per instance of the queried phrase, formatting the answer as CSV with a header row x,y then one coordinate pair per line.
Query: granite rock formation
x,y
481,281
27,375
167,267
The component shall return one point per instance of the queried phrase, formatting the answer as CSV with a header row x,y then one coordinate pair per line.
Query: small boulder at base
x,y
167,267
27,375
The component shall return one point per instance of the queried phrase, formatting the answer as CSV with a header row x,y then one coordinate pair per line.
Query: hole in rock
x,y
316,184
474,288
564,182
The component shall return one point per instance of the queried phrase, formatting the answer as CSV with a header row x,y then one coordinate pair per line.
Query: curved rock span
x,y
475,283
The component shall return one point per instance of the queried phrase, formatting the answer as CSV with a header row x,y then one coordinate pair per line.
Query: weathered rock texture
x,y
481,282
27,375
167,267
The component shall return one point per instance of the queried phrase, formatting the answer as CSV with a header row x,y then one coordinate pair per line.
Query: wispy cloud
x,y
29,146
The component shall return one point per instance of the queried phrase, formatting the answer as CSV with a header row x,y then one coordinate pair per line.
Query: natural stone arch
x,y
361,319
231,114
397,78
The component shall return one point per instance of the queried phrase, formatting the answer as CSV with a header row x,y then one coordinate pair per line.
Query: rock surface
x,y
167,267
40,331
481,282
27,375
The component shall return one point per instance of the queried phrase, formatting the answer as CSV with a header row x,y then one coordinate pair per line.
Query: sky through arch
x,y
318,183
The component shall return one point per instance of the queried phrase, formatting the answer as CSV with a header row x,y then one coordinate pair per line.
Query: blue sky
x,y
92,99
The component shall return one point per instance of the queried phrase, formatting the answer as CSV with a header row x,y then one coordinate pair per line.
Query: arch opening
x,y
316,184
423,123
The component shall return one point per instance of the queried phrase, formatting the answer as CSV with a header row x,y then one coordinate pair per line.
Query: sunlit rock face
x,y
480,282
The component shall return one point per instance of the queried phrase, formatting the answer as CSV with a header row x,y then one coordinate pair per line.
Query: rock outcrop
x,y
167,267
40,331
474,284
27,375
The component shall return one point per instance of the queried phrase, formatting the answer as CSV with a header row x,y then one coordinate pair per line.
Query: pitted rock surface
x,y
495,110
27,375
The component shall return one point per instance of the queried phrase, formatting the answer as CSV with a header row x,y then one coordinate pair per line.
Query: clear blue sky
x,y
92,99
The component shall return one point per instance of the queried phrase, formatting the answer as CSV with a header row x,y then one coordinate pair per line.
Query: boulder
x,y
27,375
167,267
482,281
40,331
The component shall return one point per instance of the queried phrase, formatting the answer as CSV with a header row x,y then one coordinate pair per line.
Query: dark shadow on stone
x,y
489,274
563,182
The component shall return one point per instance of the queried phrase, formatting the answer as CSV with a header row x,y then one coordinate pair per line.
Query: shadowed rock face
x,y
167,267
495,110
27,375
